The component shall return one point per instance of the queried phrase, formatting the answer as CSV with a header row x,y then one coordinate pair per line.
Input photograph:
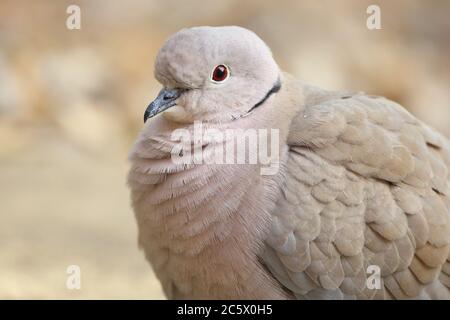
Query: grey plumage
x,y
362,182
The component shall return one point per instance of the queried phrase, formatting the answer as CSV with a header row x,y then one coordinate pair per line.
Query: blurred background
x,y
72,102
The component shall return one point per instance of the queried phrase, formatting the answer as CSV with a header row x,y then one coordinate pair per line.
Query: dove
x,y
359,207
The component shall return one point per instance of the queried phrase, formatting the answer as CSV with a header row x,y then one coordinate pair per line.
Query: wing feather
x,y
366,184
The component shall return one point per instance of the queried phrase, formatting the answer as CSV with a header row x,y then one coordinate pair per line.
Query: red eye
x,y
220,73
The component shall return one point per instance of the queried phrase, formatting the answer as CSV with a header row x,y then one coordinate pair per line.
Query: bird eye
x,y
220,73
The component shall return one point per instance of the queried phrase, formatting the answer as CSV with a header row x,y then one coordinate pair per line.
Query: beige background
x,y
71,103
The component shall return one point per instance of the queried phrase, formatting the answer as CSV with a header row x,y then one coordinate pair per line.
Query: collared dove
x,y
362,190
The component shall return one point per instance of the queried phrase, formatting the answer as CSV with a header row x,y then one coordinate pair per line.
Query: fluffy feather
x,y
361,182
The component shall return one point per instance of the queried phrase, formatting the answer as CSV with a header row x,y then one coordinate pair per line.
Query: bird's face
x,y
214,74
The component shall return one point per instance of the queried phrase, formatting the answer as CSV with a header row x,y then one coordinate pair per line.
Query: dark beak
x,y
165,99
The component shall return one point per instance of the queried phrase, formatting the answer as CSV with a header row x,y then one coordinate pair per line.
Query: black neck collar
x,y
276,87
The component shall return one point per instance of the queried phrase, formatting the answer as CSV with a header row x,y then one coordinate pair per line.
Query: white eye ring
x,y
220,73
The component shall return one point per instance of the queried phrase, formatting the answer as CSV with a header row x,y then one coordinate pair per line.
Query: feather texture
x,y
366,184
359,208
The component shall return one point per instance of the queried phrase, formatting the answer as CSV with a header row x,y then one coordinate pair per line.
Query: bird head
x,y
213,74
